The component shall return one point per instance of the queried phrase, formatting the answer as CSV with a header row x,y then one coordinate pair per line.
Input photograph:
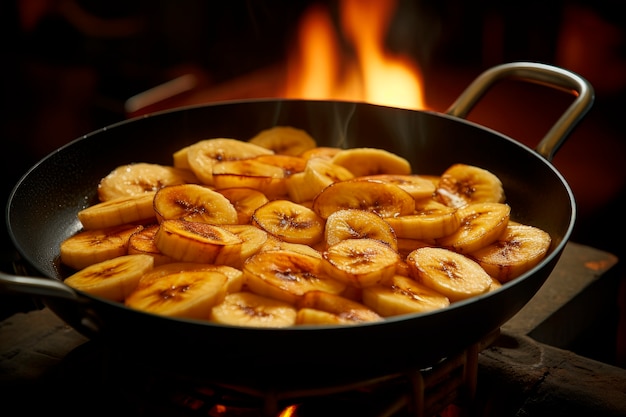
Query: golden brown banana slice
x,y
196,242
341,309
92,246
432,178
298,190
463,184
419,187
194,203
449,273
402,268
252,240
274,243
180,159
132,179
320,173
430,220
317,175
233,275
136,208
495,284
288,163
311,316
403,295
358,224
250,173
284,140
253,310
372,161
325,152
202,155
406,246
113,279
481,225
245,201
188,294
142,242
382,198
519,249
287,276
289,221
360,262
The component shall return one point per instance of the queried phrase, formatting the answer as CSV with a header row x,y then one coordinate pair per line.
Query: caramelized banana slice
x,y
245,201
142,242
317,175
118,211
371,161
495,284
252,240
403,295
234,276
382,198
519,249
92,246
253,310
194,203
358,224
133,179
463,184
284,140
290,222
448,273
202,155
113,279
419,187
360,262
406,246
180,160
298,190
430,220
481,225
340,310
320,173
196,242
325,152
250,173
287,276
274,243
289,164
189,294
308,315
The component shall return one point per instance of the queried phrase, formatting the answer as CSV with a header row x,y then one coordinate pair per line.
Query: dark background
x,y
68,66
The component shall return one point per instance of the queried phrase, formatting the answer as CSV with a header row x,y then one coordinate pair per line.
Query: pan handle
x,y
541,74
89,323
39,287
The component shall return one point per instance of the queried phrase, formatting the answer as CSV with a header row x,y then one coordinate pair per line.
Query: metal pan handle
x,y
88,324
41,287
541,74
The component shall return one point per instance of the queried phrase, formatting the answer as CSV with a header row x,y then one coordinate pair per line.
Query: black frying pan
x,y
42,210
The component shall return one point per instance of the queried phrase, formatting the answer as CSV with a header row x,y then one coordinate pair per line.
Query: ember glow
x,y
362,70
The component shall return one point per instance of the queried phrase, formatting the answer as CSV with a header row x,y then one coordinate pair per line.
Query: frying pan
x,y
42,209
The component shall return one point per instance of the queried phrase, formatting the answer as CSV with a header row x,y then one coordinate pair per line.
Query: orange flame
x,y
289,411
318,68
